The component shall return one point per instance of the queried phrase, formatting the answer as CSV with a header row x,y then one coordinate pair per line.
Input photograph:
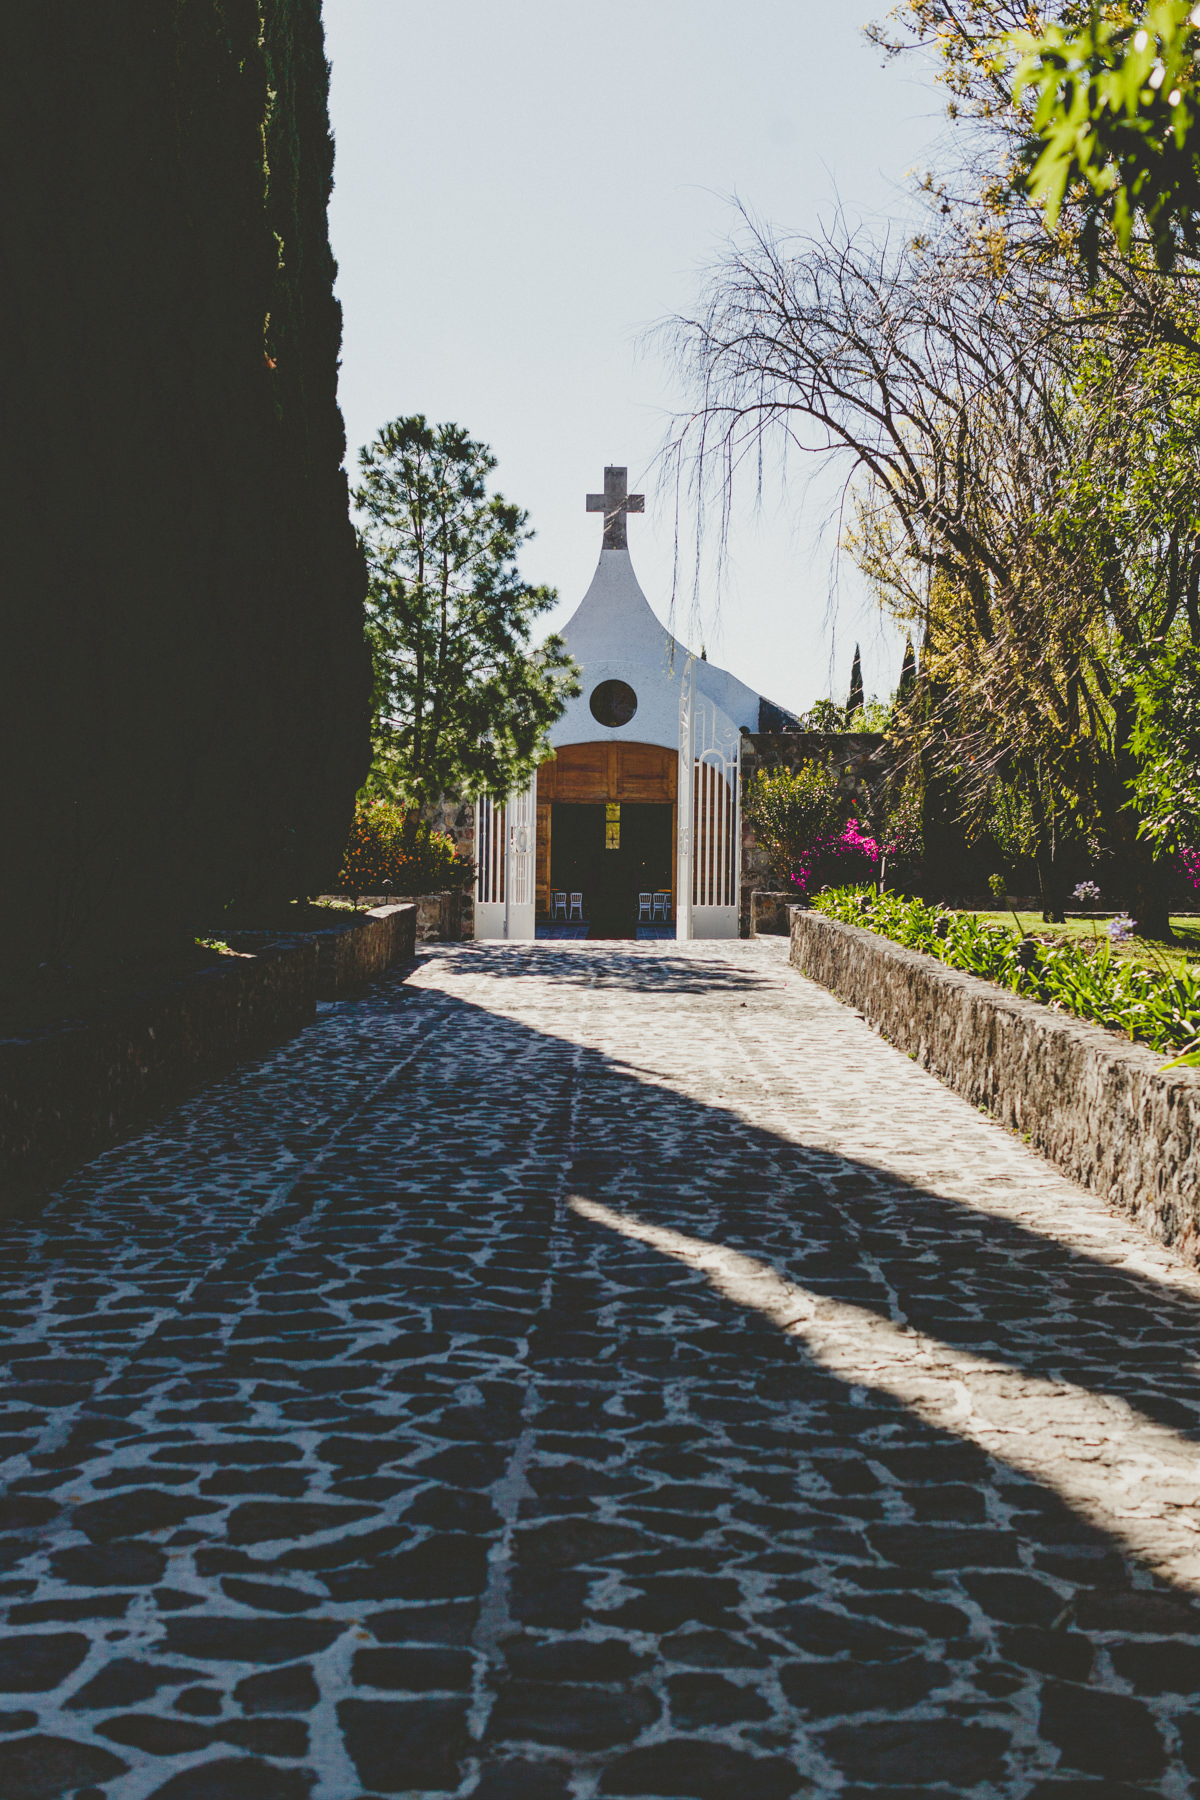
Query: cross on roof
x,y
614,503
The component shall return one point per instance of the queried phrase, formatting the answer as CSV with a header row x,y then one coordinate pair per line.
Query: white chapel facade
x,y
632,827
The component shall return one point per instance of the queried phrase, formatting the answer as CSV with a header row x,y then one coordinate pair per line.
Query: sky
x,y
524,189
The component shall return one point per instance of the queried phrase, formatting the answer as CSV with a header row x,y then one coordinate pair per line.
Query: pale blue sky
x,y
523,187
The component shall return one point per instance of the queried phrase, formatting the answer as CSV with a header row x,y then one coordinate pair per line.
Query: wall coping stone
x,y
72,1089
1092,1102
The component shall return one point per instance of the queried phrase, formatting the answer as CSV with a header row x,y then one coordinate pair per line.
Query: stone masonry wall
x,y
862,762
69,1091
1091,1102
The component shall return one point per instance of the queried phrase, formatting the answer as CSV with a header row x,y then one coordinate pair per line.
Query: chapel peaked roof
x,y
614,632
614,611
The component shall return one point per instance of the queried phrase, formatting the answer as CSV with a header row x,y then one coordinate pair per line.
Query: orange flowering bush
x,y
389,851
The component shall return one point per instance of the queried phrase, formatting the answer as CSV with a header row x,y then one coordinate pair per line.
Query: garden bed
x,y
1099,1107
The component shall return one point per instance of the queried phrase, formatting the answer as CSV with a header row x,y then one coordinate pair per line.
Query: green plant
x,y
1157,1005
999,889
463,701
791,810
391,851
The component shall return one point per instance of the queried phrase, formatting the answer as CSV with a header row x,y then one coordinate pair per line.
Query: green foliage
x,y
1115,128
1158,1006
390,851
1166,739
824,715
791,812
462,703
871,715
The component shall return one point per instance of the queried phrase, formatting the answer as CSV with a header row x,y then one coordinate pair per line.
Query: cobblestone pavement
x,y
588,1370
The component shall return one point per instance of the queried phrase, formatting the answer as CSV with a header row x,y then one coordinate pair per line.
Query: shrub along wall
x,y
184,688
1096,1105
861,760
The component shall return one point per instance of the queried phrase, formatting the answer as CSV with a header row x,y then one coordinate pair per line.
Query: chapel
x,y
632,828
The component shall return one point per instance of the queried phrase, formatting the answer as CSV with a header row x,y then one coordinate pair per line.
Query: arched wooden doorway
x,y
642,780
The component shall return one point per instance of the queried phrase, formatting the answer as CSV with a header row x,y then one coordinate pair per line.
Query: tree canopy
x,y
463,702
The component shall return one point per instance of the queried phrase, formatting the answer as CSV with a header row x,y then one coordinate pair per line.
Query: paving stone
x,y
138,1512
201,1702
249,1640
124,1681
399,1745
822,1689
699,1770
520,1780
578,1659
157,1736
33,1663
292,1689
1102,1734
42,1767
412,1670
922,1750
571,1717
700,1701
116,1565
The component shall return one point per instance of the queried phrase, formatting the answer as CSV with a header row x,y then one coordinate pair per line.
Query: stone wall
x,y
861,760
1090,1101
456,818
441,918
770,912
68,1091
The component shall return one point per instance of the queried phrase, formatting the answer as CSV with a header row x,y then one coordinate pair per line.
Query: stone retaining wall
x,y
68,1091
1090,1101
770,912
439,916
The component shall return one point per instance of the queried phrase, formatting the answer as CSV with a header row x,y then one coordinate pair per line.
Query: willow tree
x,y
982,457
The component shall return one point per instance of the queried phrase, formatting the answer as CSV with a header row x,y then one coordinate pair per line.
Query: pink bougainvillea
x,y
840,860
1189,862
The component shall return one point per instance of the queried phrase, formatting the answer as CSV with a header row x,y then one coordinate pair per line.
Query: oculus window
x,y
613,703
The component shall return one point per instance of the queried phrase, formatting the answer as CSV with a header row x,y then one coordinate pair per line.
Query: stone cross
x,y
614,503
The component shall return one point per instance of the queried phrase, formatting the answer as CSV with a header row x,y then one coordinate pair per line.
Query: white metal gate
x,y
710,846
506,856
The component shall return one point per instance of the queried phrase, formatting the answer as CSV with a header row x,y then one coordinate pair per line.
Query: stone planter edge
x,y
1091,1102
70,1091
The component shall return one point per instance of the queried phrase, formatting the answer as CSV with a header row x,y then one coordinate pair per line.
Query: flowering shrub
x,y
1189,863
1158,1006
842,858
390,852
791,811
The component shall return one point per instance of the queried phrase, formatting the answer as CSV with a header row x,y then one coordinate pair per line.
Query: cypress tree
x,y
184,689
908,672
854,704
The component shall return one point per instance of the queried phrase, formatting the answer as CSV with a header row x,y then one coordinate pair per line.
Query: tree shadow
x,y
714,1561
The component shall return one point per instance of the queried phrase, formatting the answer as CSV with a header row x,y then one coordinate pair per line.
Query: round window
x,y
613,703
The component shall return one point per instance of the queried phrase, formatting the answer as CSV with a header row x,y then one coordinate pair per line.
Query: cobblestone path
x,y
588,1370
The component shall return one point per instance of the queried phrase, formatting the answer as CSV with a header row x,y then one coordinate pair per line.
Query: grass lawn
x,y
1175,956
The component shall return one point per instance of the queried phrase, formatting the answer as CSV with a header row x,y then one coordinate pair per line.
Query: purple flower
x,y
1087,893
1122,927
